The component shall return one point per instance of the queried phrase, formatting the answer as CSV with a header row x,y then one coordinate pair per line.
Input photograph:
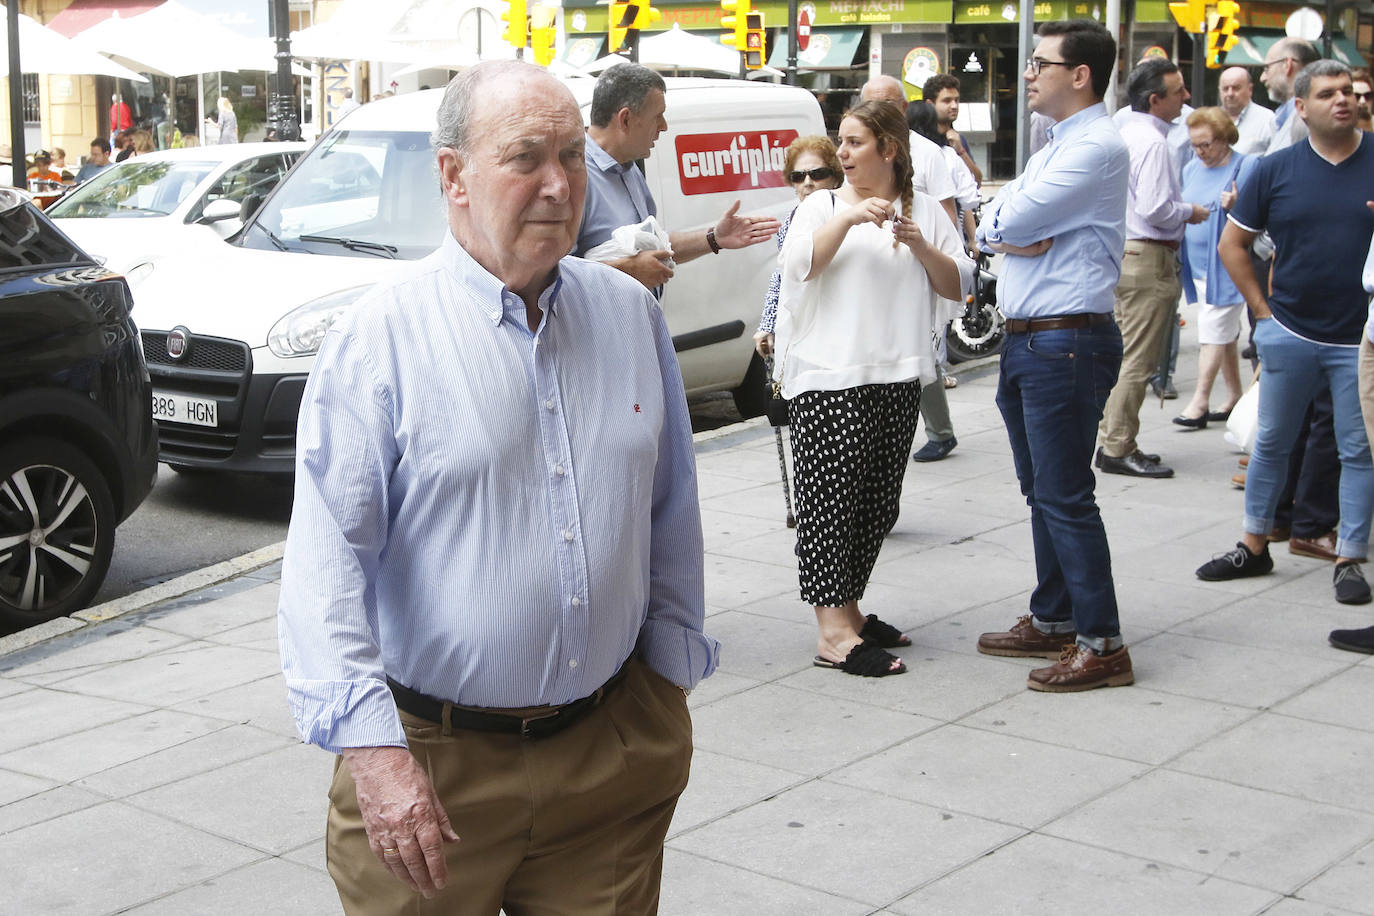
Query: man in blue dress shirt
x,y
492,601
1061,228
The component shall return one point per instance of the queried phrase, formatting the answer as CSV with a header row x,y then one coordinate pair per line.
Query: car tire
x,y
63,487
752,395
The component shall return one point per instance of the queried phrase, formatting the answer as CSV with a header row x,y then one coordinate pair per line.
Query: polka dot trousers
x,y
849,454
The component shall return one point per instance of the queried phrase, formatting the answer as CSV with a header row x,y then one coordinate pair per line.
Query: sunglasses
x,y
820,174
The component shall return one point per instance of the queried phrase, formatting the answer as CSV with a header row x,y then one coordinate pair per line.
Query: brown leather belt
x,y
1172,246
541,725
1059,322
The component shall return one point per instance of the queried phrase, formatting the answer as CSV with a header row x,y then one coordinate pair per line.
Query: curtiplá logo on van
x,y
735,161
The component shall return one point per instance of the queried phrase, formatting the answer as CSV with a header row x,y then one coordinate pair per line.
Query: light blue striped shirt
x,y
488,515
1073,191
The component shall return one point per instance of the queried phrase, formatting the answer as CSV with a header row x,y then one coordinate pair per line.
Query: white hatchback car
x,y
151,205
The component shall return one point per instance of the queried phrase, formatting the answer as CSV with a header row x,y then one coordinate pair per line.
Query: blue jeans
x,y
1295,370
1051,390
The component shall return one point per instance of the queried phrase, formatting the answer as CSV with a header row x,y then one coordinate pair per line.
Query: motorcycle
x,y
980,329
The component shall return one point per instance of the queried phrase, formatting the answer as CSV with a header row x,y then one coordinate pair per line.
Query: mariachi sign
x,y
734,161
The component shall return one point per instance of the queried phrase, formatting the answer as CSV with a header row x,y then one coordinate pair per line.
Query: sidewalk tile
x,y
856,844
186,672
311,855
15,786
1232,832
777,547
799,731
1133,723
731,582
1342,700
89,649
1039,874
202,620
720,527
720,784
696,886
190,758
1278,753
1348,884
41,715
270,886
719,685
274,802
1228,673
762,648
996,777
261,635
105,746
1303,908
261,704
44,807
1267,623
72,865
10,686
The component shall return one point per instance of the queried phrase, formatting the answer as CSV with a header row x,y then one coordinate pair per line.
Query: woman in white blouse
x,y
862,271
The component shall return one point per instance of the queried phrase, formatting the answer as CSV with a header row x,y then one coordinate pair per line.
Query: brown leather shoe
x,y
1238,480
1023,640
1083,669
1277,534
1244,461
1322,547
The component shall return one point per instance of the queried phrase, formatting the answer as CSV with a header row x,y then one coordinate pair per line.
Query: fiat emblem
x,y
178,343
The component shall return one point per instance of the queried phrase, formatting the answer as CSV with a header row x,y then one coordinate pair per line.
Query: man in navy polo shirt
x,y
1311,197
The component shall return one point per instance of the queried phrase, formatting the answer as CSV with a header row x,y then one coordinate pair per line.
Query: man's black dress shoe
x,y
1133,465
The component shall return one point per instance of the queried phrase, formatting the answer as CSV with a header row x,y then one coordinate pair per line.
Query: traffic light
x,y
517,26
753,42
1221,32
622,20
1191,15
738,24
645,16
543,33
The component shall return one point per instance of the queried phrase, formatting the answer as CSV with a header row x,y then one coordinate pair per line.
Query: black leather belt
x,y
542,725
1059,322
1167,243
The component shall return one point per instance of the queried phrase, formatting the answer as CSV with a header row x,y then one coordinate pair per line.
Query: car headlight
x,y
137,275
301,330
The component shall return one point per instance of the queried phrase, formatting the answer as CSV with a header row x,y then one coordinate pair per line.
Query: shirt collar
x,y
1062,131
487,292
1144,117
602,159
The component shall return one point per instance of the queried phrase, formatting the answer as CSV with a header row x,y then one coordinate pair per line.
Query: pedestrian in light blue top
x,y
1061,228
492,601
1211,179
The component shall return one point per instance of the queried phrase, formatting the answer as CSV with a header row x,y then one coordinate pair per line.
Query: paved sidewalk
x,y
148,764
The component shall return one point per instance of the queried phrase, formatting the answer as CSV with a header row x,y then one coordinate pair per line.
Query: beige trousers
x,y
1146,301
1367,385
572,823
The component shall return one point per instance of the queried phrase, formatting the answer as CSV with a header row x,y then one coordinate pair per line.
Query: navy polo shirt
x,y
1316,215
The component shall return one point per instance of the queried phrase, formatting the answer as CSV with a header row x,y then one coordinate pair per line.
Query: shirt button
x,y
576,602
572,663
495,316
561,470
567,535
548,405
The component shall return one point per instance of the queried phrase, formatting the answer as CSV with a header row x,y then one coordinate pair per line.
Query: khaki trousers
x,y
1146,301
1367,385
569,824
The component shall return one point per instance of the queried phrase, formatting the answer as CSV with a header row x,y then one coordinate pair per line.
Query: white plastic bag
x,y
1244,420
627,241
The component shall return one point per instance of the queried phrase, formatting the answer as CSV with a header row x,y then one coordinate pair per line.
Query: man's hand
x,y
763,342
955,141
1200,214
1033,250
648,267
734,231
406,824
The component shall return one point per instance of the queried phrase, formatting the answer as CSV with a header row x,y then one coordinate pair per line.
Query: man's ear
x,y
451,176
1082,77
622,118
1300,105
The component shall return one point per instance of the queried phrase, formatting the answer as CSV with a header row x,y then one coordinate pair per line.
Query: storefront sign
x,y
920,65
714,163
700,16
1010,10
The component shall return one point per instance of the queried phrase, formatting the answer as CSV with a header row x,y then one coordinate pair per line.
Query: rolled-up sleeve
x,y
672,639
327,614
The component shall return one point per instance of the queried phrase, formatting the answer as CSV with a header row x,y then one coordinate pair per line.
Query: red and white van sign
x,y
737,161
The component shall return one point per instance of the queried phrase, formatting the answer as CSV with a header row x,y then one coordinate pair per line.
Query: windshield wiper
x,y
377,248
281,246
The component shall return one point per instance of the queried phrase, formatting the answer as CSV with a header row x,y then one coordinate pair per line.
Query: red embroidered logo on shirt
x,y
637,408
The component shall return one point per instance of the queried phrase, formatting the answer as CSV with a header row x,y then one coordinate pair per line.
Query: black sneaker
x,y
1354,640
1239,564
1351,588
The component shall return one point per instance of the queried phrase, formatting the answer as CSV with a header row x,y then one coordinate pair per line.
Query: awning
x,y
1345,51
1253,44
82,14
829,49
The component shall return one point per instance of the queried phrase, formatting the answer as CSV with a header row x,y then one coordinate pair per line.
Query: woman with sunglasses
x,y
809,164
863,268
1210,178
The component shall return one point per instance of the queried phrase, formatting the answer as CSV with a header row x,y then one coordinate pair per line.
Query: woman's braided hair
x,y
888,126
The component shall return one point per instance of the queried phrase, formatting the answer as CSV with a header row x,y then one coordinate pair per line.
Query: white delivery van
x,y
230,331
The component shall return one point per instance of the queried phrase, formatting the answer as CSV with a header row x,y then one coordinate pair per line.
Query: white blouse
x,y
869,317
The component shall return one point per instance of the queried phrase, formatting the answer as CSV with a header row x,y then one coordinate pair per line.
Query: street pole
x,y
791,42
1199,67
283,117
1113,26
21,178
1025,47
1328,27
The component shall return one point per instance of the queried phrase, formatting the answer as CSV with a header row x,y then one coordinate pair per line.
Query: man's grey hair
x,y
1147,79
454,121
1302,86
1300,49
624,85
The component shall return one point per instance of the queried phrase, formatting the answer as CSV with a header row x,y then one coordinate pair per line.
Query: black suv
x,y
78,445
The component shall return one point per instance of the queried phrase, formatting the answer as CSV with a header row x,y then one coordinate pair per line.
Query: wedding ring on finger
x,y
390,851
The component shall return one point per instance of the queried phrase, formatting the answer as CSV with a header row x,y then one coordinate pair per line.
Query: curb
x,y
142,600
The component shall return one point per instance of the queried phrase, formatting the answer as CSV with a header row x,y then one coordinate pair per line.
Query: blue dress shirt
x,y
617,195
1073,191
486,514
